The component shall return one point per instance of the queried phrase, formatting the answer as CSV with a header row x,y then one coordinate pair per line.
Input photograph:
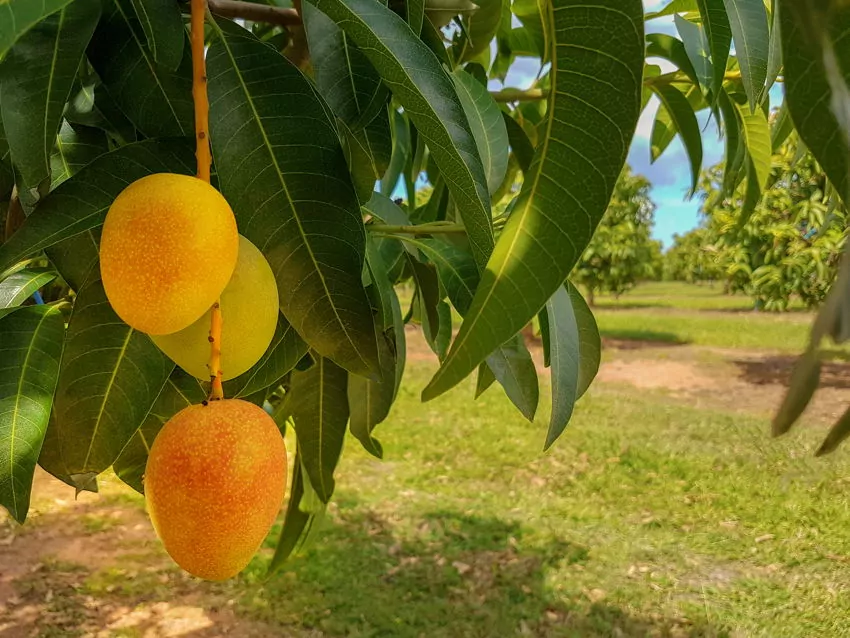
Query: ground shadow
x,y
639,339
777,369
451,576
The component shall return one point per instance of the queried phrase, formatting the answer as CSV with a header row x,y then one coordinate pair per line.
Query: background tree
x,y
622,251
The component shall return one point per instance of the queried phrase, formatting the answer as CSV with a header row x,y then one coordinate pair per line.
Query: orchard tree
x,y
788,246
109,250
694,257
622,251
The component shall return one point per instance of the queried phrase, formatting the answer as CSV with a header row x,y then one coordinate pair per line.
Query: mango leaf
x,y
30,348
533,15
481,27
597,51
155,98
75,257
300,209
319,409
663,132
521,146
180,391
719,34
804,381
695,43
7,175
564,356
282,355
485,379
675,6
19,286
661,45
781,128
91,105
685,121
75,148
35,81
735,148
401,154
488,127
300,520
110,378
344,76
590,343
837,435
811,90
513,367
750,32
430,99
19,16
162,24
80,204
368,152
752,194
774,59
757,136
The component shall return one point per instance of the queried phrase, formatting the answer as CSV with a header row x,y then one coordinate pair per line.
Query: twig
x,y
421,229
255,12
204,158
519,95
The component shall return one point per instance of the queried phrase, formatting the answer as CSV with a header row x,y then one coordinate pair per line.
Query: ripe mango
x,y
214,484
168,248
249,309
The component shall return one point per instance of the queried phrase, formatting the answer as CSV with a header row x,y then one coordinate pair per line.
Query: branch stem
x,y
435,228
255,12
204,159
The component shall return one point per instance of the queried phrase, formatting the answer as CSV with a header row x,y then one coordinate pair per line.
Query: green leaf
x,y
696,47
837,435
30,349
488,127
20,286
676,6
300,521
368,152
750,32
521,146
156,99
752,194
590,343
180,391
663,132
110,378
811,90
415,15
534,15
75,148
401,154
597,52
35,80
282,355
661,45
481,27
19,16
486,378
782,127
162,24
300,208
429,98
7,175
804,381
75,257
719,34
735,149
774,59
427,298
514,369
685,121
344,76
757,137
80,204
565,362
91,105
319,409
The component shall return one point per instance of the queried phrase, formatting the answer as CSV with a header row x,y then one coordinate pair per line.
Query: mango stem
x,y
204,159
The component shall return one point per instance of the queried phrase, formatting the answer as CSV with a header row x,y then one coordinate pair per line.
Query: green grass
x,y
647,518
684,296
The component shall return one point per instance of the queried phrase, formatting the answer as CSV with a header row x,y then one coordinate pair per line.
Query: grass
x,y
648,518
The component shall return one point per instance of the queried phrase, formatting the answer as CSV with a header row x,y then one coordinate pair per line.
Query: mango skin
x,y
249,310
168,248
214,484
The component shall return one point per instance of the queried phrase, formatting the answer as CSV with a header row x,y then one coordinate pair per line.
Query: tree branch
x,y
255,12
518,95
421,229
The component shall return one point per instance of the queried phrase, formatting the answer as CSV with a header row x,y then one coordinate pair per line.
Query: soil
x,y
44,564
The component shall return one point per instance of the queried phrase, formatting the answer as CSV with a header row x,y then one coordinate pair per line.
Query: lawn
x,y
649,517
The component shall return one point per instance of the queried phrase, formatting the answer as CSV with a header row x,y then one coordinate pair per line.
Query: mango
x,y
214,484
168,249
249,309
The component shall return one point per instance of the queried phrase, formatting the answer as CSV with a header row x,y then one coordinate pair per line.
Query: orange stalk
x,y
204,159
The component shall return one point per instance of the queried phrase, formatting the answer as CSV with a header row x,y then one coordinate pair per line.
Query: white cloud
x,y
653,4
